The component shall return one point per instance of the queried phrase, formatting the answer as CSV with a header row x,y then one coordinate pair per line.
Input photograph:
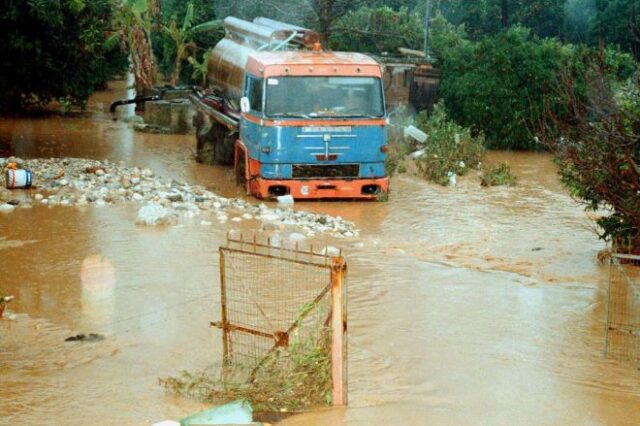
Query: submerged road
x,y
467,305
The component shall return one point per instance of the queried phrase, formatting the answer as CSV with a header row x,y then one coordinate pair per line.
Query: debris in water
x,y
452,178
91,337
417,154
3,303
415,133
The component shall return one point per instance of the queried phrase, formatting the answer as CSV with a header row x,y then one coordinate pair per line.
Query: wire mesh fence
x,y
622,340
277,313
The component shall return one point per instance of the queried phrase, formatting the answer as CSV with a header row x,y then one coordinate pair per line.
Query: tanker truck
x,y
292,118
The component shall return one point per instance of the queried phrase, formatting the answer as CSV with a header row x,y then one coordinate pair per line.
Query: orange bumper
x,y
315,189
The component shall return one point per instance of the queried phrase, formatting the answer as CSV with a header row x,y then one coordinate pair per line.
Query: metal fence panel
x,y
275,298
622,340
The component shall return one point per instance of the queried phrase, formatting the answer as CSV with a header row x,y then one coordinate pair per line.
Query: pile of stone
x,y
77,182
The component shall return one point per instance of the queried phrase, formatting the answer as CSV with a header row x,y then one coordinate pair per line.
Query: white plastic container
x,y
21,178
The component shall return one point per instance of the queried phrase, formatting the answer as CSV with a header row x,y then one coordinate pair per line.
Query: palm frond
x,y
112,42
188,18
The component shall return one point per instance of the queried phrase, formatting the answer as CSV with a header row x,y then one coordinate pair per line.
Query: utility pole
x,y
427,19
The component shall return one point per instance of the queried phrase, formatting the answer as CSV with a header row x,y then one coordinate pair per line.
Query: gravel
x,y
72,182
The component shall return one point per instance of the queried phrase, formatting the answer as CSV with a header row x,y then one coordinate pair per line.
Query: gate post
x,y
338,333
223,300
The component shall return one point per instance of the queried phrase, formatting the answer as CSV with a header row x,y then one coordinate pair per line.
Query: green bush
x,y
450,148
500,85
598,151
497,175
288,379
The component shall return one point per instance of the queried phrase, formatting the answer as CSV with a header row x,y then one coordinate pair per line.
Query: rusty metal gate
x,y
277,295
622,341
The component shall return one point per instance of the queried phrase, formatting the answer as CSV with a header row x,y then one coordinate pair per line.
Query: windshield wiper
x,y
358,116
290,115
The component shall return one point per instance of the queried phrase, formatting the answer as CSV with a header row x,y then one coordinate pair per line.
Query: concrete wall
x,y
175,115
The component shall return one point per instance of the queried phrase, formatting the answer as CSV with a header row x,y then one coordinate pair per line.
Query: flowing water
x,y
467,305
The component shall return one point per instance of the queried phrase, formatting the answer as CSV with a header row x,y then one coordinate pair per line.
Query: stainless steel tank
x,y
228,60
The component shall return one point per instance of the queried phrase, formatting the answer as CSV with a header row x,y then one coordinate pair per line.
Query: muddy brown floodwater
x,y
467,305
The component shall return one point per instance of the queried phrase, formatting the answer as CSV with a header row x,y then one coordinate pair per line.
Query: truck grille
x,y
307,171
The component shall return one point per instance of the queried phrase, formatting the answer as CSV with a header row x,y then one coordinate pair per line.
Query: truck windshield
x,y
311,97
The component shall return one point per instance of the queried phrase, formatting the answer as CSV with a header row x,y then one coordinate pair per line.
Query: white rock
x,y
296,237
236,219
6,208
331,251
247,216
270,217
38,197
205,223
285,199
154,214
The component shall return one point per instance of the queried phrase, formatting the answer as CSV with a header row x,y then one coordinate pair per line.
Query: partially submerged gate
x,y
622,341
280,303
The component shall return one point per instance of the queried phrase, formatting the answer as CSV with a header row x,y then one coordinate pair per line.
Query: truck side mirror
x,y
245,106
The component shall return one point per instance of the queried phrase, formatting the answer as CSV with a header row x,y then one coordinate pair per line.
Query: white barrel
x,y
21,178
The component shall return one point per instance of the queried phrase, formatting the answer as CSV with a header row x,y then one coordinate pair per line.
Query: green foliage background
x,y
53,50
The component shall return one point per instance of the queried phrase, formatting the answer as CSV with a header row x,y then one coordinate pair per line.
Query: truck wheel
x,y
214,142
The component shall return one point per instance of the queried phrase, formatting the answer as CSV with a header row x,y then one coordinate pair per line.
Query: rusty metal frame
x,y
618,260
336,317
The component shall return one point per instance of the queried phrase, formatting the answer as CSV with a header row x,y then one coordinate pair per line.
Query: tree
x,y
378,30
579,17
500,85
486,17
135,20
618,22
327,12
55,50
181,35
597,143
